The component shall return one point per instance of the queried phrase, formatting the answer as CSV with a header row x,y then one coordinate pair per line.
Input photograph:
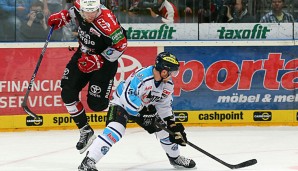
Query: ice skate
x,y
181,162
88,164
86,138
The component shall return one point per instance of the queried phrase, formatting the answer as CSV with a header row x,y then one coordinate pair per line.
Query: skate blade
x,y
184,168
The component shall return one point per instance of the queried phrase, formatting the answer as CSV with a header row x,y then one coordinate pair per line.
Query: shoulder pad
x,y
106,21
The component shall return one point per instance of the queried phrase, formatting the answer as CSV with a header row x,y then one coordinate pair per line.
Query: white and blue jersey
x,y
139,90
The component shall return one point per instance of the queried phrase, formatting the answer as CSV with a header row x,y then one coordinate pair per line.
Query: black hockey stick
x,y
24,103
231,166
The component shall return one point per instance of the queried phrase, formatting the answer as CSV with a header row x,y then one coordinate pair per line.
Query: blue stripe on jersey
x,y
119,89
166,141
115,130
132,112
105,140
130,96
131,91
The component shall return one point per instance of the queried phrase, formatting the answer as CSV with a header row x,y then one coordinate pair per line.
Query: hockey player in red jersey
x,y
146,98
102,41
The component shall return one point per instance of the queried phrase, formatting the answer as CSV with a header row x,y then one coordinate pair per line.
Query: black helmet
x,y
166,61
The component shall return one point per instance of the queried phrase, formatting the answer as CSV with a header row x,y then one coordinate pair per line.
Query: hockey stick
x,y
24,103
231,166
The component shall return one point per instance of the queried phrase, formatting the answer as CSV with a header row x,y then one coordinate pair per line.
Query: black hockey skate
x,y
86,138
88,164
181,162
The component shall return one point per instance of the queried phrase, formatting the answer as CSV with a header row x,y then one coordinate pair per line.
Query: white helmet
x,y
89,5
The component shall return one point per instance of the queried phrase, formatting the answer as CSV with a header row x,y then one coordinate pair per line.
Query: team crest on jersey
x,y
94,32
149,98
104,150
103,24
109,52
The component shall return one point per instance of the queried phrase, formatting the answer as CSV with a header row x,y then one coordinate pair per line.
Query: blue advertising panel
x,y
236,78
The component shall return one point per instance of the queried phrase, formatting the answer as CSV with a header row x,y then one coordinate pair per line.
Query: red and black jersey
x,y
103,36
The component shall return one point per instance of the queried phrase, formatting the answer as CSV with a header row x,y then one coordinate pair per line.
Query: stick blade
x,y
29,112
245,164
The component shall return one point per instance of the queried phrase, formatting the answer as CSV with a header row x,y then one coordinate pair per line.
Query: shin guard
x,y
102,144
170,148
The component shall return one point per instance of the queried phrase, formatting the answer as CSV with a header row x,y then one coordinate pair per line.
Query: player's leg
x,y
173,152
100,86
73,81
114,131
171,149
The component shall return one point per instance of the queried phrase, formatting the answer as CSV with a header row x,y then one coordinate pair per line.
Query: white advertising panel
x,y
153,31
296,31
246,31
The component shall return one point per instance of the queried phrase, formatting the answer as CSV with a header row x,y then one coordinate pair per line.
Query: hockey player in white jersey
x,y
144,97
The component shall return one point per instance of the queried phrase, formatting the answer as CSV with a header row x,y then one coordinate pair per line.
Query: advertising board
x,y
187,31
240,78
247,31
16,71
216,85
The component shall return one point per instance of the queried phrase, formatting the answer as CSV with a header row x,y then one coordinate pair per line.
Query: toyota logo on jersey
x,y
95,91
65,73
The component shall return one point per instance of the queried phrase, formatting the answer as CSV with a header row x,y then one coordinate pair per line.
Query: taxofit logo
x,y
257,32
262,116
164,32
31,121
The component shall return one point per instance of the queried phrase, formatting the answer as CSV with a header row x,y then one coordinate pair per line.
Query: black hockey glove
x,y
147,118
180,135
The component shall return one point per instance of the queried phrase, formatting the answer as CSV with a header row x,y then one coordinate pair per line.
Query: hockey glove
x,y
88,63
179,136
147,118
59,19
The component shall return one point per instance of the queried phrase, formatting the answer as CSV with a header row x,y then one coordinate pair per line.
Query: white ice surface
x,y
275,148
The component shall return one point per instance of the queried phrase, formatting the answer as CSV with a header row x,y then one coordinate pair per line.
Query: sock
x,y
77,113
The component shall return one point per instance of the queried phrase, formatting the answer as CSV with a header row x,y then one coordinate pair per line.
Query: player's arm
x,y
130,99
165,111
180,136
164,106
59,19
118,44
